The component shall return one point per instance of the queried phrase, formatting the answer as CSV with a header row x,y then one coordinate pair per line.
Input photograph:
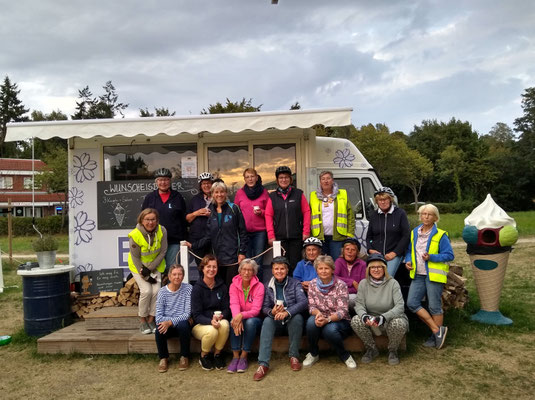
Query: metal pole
x,y
184,260
10,230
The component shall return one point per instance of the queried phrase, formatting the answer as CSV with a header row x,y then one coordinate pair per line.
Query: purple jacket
x,y
358,272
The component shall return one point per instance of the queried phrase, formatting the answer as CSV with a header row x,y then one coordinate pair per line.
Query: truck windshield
x,y
361,208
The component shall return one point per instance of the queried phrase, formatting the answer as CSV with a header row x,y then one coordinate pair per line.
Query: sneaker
x,y
350,363
393,358
219,361
183,363
233,366
430,342
242,365
152,326
163,366
144,328
310,360
206,362
295,364
370,355
440,337
260,373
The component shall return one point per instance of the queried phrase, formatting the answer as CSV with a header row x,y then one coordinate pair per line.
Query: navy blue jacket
x,y
294,296
389,232
204,301
227,240
172,214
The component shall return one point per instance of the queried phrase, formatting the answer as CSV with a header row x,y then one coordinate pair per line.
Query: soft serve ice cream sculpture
x,y
489,233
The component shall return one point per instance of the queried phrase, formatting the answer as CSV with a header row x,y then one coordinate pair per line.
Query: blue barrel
x,y
47,303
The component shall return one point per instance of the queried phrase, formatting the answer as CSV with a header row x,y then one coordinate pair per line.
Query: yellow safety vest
x,y
340,209
438,272
148,253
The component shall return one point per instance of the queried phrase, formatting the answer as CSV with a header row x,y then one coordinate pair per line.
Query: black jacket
x,y
389,232
172,214
287,215
204,301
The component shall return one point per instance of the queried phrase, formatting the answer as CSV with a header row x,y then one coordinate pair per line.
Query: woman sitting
x,y
146,261
246,297
304,271
329,316
211,312
379,307
350,268
173,310
426,259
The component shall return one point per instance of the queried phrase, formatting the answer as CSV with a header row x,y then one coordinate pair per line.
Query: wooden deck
x,y
115,330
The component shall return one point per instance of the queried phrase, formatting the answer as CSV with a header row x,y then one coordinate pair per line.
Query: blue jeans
x,y
170,256
420,286
393,265
182,331
250,327
257,244
331,247
334,333
293,327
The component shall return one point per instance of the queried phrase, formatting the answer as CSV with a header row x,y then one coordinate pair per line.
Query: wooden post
x,y
184,260
277,250
9,230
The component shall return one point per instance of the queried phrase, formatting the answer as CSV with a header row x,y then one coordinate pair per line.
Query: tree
x,y
160,112
105,106
55,115
11,110
501,132
450,164
84,105
295,106
232,107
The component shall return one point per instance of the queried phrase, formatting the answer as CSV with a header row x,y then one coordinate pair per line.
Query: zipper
x,y
286,216
384,240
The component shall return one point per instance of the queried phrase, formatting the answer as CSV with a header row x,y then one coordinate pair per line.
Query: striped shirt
x,y
174,306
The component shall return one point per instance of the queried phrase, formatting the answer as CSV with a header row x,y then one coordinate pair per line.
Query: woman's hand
x,y
164,326
241,257
320,320
305,285
425,256
276,309
390,256
215,322
237,327
372,251
408,265
236,322
281,316
356,285
202,212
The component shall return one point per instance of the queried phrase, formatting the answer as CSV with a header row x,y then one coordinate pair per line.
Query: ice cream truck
x,y
111,165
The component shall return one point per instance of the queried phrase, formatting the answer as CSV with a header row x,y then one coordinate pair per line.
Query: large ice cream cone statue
x,y
489,233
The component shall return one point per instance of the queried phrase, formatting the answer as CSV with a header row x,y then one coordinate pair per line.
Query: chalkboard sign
x,y
119,202
104,280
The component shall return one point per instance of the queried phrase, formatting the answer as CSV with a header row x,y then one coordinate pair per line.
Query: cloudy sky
x,y
394,62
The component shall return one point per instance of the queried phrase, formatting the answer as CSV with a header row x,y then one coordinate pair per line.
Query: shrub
x,y
46,243
22,226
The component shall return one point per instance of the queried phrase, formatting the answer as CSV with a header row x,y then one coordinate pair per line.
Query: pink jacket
x,y
253,222
253,305
358,272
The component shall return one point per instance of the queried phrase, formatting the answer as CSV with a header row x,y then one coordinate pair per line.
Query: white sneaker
x,y
310,360
351,364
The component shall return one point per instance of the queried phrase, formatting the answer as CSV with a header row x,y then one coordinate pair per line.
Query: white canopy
x,y
212,123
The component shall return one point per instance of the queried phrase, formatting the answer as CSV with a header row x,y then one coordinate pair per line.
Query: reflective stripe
x,y
340,215
342,225
317,226
437,271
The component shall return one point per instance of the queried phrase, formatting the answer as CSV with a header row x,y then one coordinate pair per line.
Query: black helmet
x,y
352,241
283,170
376,257
163,173
280,260
386,190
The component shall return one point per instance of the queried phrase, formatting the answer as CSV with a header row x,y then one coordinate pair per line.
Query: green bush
x,y
460,207
22,226
46,243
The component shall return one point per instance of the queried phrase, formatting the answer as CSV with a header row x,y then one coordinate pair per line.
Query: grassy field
x,y
478,361
23,244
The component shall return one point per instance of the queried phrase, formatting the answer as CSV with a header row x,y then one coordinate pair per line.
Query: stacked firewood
x,y
85,304
455,294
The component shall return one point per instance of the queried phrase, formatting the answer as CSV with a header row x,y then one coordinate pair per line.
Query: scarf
x,y
284,191
377,282
329,197
324,287
256,191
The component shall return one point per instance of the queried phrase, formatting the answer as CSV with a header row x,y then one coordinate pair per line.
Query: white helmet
x,y
205,176
314,241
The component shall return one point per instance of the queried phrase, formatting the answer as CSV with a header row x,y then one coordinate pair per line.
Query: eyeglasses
x,y
376,267
149,219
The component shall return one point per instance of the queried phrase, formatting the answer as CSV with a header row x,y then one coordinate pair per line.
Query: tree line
x,y
444,162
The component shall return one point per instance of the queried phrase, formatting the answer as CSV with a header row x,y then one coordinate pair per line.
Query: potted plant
x,y
45,248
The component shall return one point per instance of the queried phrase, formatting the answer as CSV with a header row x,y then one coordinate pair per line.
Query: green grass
x,y
23,244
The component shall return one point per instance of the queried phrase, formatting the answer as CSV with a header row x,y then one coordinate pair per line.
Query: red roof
x,y
18,164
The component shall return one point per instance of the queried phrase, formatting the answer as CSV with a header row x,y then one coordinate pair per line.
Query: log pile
x,y
84,304
455,294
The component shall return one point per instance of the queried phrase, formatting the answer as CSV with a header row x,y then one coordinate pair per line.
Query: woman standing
x,y
426,259
288,216
332,216
211,313
246,297
252,199
199,211
146,261
388,231
304,271
329,316
225,232
379,307
350,269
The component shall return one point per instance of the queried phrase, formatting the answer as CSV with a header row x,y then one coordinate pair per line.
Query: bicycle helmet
x,y
163,173
283,170
386,190
205,176
312,241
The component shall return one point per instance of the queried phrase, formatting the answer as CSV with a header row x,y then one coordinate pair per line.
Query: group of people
x,y
322,286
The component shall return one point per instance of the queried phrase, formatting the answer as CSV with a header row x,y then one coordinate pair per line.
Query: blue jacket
x,y
197,228
204,301
172,214
305,271
445,252
388,232
294,297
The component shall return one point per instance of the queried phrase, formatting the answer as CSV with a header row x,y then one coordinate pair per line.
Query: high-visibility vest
x,y
437,271
148,253
341,213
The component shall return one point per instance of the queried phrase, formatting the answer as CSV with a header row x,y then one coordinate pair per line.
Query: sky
x,y
394,62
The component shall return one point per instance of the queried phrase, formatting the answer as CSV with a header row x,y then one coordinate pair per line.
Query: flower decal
x,y
76,197
83,168
82,228
344,158
83,268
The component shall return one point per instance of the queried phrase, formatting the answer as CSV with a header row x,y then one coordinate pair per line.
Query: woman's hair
x,y
218,185
146,212
430,208
175,266
385,269
252,263
250,170
384,196
326,173
327,260
205,260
